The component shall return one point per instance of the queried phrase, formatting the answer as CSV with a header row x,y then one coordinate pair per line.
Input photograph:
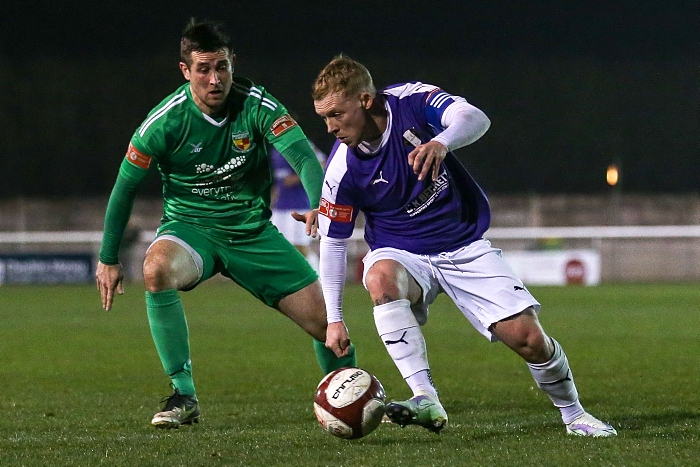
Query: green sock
x,y
329,362
171,337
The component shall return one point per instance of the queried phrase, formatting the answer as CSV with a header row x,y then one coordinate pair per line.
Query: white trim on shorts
x,y
196,257
476,277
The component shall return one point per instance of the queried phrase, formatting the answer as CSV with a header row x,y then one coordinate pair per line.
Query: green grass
x,y
79,385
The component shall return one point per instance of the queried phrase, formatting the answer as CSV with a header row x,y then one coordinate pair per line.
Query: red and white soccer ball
x,y
349,403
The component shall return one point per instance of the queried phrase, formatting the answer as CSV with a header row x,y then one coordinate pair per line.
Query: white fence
x,y
627,253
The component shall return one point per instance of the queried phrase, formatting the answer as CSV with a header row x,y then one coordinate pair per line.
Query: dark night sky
x,y
481,50
586,28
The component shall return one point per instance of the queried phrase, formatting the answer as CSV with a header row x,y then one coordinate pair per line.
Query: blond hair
x,y
345,75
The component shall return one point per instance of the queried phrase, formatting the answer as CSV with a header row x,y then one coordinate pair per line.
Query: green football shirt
x,y
216,172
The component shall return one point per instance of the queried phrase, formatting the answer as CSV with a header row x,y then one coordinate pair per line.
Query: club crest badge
x,y
242,142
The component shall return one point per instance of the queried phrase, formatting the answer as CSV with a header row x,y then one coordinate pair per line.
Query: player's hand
x,y
426,157
109,279
337,339
310,218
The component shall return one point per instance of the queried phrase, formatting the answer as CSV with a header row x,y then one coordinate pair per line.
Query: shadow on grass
x,y
671,423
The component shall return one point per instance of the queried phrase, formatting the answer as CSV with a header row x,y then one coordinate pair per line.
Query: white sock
x,y
555,379
402,336
421,383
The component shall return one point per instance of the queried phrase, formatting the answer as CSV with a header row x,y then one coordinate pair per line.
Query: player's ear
x,y
366,100
185,70
233,61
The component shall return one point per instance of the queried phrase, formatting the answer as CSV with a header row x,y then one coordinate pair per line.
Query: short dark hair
x,y
205,36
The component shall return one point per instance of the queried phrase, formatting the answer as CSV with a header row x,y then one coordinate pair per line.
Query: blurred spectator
x,y
288,195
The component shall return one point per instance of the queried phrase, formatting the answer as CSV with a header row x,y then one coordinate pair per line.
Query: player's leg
x,y
393,290
550,368
308,310
492,297
271,268
171,265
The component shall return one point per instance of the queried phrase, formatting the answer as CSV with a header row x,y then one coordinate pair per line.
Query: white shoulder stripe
x,y
439,99
176,100
257,93
270,103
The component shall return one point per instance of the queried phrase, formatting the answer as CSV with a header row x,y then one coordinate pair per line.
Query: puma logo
x,y
563,380
380,179
388,342
517,287
330,187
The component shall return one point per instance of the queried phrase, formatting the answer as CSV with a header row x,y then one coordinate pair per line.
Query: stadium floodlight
x,y
612,175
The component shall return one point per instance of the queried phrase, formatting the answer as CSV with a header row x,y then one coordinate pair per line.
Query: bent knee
x,y
386,281
159,273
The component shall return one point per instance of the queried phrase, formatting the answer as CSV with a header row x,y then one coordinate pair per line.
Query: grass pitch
x,y
80,385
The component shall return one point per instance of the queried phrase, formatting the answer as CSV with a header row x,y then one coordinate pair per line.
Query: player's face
x,y
345,116
210,77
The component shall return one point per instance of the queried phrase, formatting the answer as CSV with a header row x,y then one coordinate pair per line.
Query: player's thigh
x,y
482,284
266,265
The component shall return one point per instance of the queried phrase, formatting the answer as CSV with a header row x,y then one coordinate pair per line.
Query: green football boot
x,y
424,410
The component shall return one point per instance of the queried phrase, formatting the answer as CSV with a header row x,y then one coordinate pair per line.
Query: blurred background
x,y
595,106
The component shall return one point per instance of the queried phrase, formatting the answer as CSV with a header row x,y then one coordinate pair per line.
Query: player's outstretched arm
x,y
110,278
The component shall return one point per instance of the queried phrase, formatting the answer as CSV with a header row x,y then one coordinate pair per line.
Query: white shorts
x,y
292,229
476,277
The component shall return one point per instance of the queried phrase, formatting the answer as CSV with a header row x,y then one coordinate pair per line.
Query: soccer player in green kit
x,y
208,141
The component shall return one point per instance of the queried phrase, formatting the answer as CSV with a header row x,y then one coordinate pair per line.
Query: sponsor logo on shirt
x,y
138,158
335,212
203,168
428,195
282,124
228,173
242,142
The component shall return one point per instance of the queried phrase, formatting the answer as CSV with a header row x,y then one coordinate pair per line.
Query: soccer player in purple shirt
x,y
425,219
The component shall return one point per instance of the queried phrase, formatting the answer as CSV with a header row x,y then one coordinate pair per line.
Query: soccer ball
x,y
349,403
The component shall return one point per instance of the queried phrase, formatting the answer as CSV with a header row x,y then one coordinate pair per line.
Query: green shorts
x,y
263,262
